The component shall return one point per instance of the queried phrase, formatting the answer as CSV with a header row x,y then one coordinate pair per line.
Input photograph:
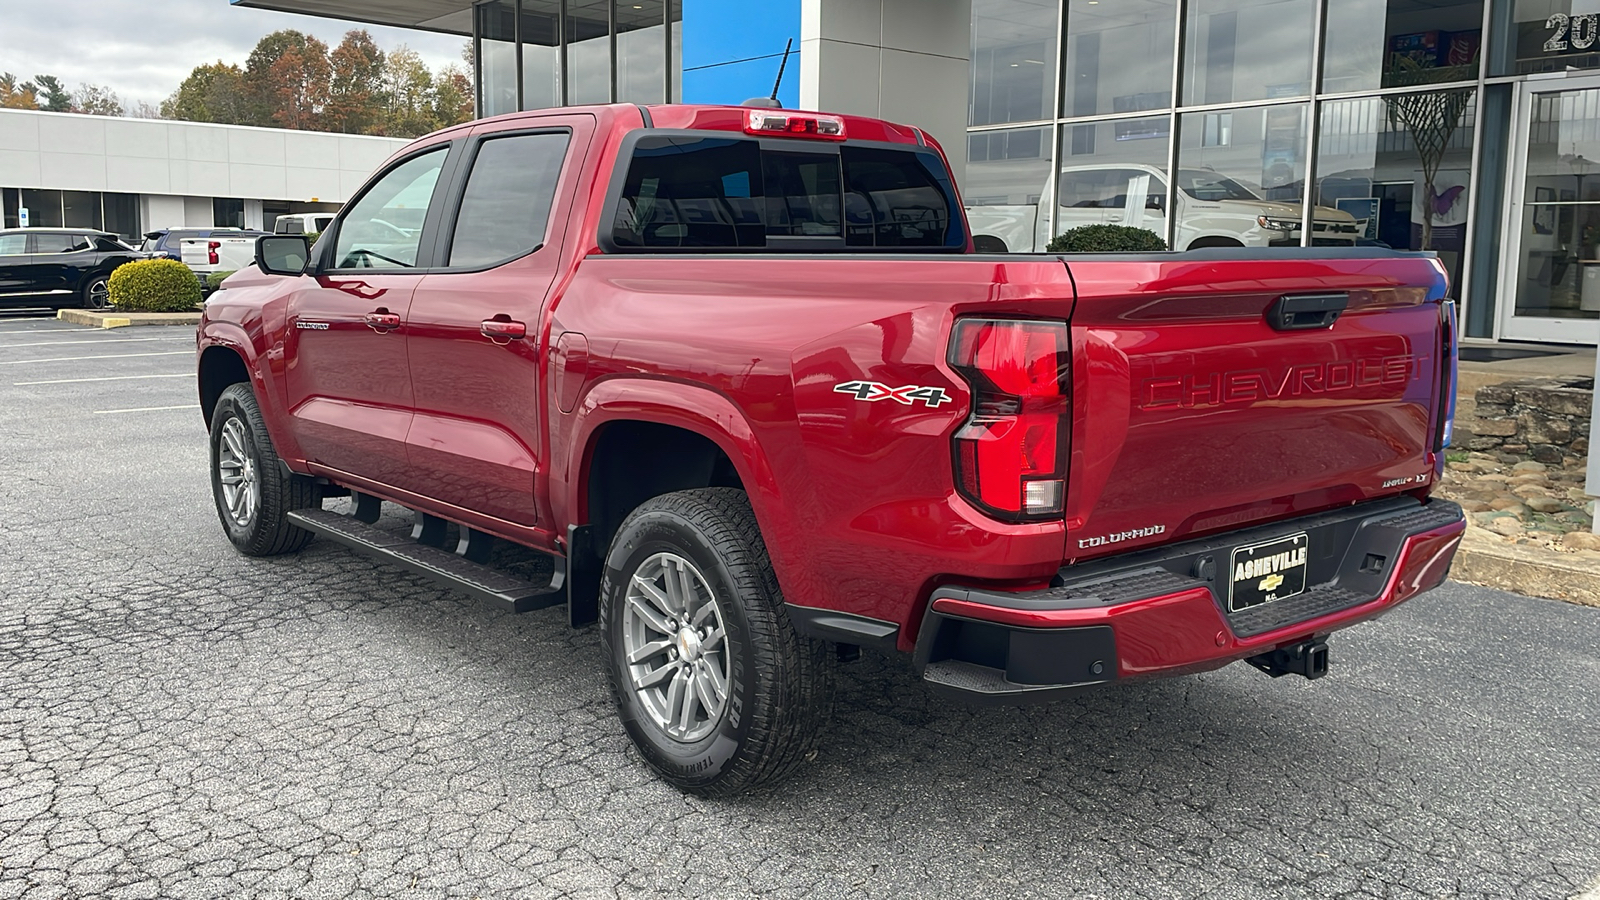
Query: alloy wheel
x,y
236,470
676,647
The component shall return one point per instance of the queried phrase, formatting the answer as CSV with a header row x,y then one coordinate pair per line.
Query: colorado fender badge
x,y
872,392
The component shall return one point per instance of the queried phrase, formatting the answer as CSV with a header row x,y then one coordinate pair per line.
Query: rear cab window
x,y
707,191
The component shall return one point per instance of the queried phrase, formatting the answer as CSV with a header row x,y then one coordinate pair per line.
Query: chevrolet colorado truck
x,y
738,383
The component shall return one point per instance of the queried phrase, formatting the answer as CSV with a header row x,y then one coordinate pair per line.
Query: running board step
x,y
492,586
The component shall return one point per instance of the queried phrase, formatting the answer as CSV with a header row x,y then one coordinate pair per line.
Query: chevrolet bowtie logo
x,y
1270,583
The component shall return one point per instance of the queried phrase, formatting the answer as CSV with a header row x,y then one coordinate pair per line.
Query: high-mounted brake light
x,y
211,251
1011,455
782,124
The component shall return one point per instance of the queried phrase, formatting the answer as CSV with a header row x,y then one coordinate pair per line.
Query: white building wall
x,y
154,157
906,61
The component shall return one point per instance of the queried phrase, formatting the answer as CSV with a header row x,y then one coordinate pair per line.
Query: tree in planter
x,y
1431,119
1106,239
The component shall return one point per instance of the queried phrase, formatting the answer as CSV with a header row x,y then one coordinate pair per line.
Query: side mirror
x,y
282,254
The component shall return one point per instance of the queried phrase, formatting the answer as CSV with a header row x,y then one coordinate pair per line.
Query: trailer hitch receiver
x,y
1308,659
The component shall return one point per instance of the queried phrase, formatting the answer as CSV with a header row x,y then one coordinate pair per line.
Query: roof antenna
x,y
772,102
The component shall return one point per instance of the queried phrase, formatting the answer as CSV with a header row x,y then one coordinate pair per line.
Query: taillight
x,y
1449,365
1011,455
211,251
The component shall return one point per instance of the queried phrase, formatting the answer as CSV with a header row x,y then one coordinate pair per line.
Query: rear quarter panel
x,y
855,499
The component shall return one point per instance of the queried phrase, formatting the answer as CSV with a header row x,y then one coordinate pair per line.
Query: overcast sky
x,y
142,49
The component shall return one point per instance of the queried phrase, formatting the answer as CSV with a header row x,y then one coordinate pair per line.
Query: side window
x,y
506,207
383,229
13,244
54,243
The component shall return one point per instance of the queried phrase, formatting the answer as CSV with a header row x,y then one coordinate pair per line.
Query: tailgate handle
x,y
1306,312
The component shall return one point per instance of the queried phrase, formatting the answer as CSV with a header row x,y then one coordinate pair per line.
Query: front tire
x,y
253,491
717,690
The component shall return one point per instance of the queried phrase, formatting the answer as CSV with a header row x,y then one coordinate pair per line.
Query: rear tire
x,y
253,491
97,292
668,651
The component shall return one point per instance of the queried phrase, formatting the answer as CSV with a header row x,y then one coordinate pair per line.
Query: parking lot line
x,y
108,412
20,362
100,341
105,378
81,329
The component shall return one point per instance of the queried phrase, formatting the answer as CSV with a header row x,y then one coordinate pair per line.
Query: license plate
x,y
1268,571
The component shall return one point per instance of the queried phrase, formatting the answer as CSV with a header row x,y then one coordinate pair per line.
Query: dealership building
x,y
1467,127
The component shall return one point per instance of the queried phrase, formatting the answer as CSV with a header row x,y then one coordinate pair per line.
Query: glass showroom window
x,y
1548,36
1422,42
1240,176
497,57
1559,269
1241,50
588,52
1401,165
1118,56
541,54
1114,173
641,51
1013,60
1008,177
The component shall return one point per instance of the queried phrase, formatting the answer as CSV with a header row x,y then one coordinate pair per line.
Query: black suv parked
x,y
58,266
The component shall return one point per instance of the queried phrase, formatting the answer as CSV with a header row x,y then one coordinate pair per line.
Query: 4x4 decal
x,y
872,392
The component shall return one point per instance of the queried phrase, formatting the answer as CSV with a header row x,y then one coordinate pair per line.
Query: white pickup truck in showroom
x,y
1212,211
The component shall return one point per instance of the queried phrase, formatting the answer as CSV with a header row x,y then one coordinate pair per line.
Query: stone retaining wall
x,y
1545,419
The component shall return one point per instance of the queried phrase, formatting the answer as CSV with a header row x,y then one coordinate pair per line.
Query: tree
x,y
355,96
95,100
144,109
408,88
212,93
299,82
53,96
261,90
17,95
452,97
1431,119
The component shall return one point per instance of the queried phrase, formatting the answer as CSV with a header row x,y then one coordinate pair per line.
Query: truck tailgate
x,y
1196,410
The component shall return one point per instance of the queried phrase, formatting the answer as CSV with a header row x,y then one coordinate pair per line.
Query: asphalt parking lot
x,y
179,721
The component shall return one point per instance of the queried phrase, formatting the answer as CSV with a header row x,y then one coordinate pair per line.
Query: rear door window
x,y
505,210
710,192
56,243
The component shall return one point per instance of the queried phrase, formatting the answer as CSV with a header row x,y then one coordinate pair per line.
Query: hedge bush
x,y
155,285
214,280
1106,239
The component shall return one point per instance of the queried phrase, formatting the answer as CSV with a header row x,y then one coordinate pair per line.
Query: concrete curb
x,y
1484,559
114,319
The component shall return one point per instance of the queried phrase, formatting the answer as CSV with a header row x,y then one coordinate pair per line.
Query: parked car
x,y
59,267
1213,211
302,223
218,253
167,242
740,377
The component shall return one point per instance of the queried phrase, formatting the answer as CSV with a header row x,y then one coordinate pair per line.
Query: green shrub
x,y
155,285
311,236
214,280
1106,239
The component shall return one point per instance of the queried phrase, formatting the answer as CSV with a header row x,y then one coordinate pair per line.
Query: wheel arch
x,y
702,437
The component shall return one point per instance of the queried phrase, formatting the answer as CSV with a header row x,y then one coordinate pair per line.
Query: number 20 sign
x,y
1582,30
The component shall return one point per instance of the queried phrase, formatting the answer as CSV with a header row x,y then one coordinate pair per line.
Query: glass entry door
x,y
1553,293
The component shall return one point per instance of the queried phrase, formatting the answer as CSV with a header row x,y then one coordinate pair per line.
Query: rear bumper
x,y
1163,611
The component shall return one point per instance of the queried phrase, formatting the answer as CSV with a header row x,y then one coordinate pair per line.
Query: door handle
x,y
502,330
382,321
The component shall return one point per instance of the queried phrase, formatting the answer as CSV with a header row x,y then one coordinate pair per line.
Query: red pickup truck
x,y
739,379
